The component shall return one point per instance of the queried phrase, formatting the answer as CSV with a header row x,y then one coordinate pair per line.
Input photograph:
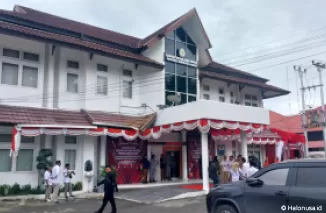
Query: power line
x,y
263,44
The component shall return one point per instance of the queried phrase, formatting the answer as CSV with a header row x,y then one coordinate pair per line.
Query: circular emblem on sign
x,y
182,52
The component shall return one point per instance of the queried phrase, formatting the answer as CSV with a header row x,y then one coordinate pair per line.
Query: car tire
x,y
226,209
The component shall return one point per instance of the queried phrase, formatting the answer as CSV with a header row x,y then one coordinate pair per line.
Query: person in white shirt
x,y
48,183
244,169
252,169
226,167
56,181
67,175
235,175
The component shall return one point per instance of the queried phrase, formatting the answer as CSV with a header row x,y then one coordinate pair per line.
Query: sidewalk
x,y
139,193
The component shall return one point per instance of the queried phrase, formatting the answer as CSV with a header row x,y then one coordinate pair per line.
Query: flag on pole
x,y
15,141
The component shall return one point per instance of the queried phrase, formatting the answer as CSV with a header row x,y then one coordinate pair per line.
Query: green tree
x,y
43,163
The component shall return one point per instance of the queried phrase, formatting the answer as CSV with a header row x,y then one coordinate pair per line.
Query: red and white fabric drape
x,y
252,138
204,126
15,141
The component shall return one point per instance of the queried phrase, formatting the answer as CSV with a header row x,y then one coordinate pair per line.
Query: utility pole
x,y
301,72
320,67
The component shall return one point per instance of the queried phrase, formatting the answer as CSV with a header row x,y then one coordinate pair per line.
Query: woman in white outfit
x,y
235,174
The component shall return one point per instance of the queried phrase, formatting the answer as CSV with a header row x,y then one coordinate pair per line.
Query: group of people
x,y
52,181
232,170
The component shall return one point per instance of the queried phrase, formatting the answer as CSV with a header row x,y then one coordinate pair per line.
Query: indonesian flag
x,y
15,141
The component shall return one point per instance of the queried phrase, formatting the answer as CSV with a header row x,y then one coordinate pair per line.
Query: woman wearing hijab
x,y
235,174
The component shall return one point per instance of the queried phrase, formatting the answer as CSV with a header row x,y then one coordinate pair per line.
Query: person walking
x,y
56,180
163,167
152,170
110,185
67,180
213,170
48,183
145,165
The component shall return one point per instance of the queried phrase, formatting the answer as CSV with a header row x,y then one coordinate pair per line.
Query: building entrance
x,y
173,164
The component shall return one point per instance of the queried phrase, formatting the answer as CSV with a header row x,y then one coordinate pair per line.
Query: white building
x,y
60,78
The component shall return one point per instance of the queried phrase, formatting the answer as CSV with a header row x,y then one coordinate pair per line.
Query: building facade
x,y
92,94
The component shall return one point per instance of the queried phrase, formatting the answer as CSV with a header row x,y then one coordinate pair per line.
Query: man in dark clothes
x,y
213,170
146,164
163,167
110,185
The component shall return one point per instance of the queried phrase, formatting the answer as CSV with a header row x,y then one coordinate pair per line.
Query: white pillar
x,y
205,160
244,148
184,155
103,161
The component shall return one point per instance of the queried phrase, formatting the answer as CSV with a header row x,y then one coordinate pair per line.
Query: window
x,y
102,67
206,97
251,100
25,139
10,53
127,73
70,157
206,87
127,89
20,71
72,82
31,57
316,149
221,99
5,138
102,85
277,177
5,160
311,177
180,77
70,140
221,91
25,160
73,64
30,76
254,150
9,74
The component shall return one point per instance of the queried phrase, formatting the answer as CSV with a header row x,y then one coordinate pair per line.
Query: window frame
x,y
75,151
33,161
302,166
130,81
20,62
10,159
273,169
206,96
250,101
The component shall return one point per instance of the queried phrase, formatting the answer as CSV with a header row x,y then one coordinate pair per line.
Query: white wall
x,y
238,95
22,95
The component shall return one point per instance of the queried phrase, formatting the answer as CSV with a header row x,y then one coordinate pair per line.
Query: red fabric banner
x,y
126,157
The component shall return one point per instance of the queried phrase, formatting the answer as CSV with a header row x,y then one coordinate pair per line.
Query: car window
x,y
311,177
275,177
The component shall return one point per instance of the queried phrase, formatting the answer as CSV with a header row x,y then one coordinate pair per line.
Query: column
x,y
184,155
102,148
205,160
244,148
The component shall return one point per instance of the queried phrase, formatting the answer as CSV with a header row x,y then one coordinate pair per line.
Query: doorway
x,y
173,163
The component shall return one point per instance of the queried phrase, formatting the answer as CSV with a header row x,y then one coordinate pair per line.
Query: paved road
x,y
193,205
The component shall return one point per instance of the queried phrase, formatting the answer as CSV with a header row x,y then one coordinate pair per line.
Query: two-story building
x,y
90,93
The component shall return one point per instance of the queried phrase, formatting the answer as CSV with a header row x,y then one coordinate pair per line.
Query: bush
x,y
4,190
36,191
77,186
14,189
26,189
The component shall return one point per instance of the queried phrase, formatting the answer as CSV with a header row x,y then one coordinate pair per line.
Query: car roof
x,y
305,160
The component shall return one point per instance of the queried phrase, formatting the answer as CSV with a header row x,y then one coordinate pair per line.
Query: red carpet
x,y
198,187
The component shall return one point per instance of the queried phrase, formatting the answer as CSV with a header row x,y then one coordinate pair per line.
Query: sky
x,y
263,37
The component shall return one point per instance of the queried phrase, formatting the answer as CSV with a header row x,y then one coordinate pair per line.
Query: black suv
x,y
289,186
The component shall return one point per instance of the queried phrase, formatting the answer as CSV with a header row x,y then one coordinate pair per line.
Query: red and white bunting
x,y
203,125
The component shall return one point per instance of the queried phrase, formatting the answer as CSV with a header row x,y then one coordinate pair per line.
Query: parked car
x,y
298,184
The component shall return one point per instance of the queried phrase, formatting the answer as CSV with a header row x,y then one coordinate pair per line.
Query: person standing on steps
x,y
163,167
67,181
110,185
56,180
152,170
